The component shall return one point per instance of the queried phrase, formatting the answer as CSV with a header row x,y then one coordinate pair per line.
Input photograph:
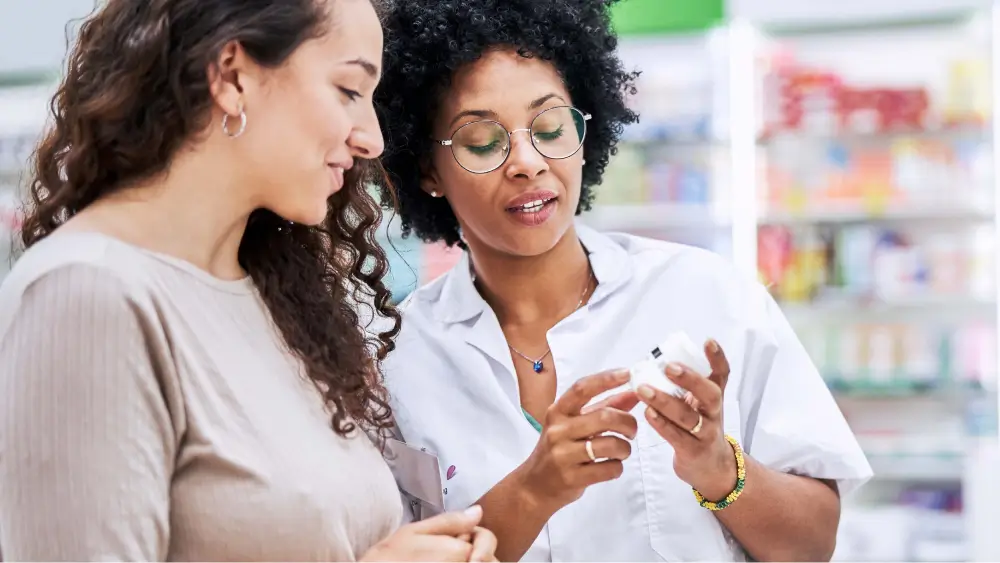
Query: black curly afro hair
x,y
428,40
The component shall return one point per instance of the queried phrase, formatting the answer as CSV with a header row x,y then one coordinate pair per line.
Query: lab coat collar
x,y
459,300
610,261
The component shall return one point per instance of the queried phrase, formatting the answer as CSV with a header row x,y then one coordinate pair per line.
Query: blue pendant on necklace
x,y
538,366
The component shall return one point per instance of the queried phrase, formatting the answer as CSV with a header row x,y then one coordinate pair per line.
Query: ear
x,y
430,182
233,78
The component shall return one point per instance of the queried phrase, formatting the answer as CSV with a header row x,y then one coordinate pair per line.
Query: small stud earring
x,y
585,161
434,193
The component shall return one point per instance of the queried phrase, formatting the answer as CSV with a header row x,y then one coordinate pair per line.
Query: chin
x,y
316,218
310,216
533,241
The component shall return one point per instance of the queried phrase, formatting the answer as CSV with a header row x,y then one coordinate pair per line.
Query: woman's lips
x,y
336,177
534,212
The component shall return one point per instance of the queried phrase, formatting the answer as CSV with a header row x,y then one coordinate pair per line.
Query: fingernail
x,y
713,346
652,414
622,375
646,392
474,512
674,369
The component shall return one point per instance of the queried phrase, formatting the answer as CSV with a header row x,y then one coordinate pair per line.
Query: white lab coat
x,y
455,397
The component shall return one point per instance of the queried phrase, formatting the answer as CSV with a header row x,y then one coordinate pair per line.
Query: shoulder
x,y
417,311
425,296
700,273
63,273
694,286
84,310
647,256
77,252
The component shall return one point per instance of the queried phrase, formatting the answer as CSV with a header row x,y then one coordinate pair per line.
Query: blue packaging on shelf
x,y
693,187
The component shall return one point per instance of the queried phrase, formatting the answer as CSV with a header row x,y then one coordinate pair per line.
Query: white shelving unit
x,y
871,166
670,179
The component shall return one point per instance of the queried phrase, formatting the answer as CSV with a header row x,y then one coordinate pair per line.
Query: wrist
x,y
720,480
531,499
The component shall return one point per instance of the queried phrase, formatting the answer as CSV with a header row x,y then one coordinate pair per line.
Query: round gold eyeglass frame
x,y
584,118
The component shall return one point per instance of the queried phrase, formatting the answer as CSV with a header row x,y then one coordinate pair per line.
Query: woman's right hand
x,y
453,536
560,468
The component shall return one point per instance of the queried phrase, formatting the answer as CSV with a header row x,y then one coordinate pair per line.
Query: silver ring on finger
x,y
590,451
697,427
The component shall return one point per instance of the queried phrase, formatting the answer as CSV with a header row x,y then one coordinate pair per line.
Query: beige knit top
x,y
149,411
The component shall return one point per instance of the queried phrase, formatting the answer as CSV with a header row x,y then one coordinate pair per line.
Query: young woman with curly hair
x,y
501,116
182,371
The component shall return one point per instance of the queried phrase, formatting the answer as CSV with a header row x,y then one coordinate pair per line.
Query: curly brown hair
x,y
135,90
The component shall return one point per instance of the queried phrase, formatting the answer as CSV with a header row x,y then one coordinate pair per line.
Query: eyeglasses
x,y
483,146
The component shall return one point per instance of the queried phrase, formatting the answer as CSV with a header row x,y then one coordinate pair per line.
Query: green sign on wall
x,y
651,17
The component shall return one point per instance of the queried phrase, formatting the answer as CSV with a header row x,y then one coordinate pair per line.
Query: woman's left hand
x,y
693,426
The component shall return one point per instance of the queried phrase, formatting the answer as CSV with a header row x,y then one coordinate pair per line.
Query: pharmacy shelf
x,y
653,216
669,178
859,387
936,211
931,131
893,309
924,468
871,164
664,140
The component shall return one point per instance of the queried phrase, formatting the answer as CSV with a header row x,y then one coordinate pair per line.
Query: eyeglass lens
x,y
556,133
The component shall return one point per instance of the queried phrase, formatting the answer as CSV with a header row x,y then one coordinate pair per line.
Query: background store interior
x,y
843,152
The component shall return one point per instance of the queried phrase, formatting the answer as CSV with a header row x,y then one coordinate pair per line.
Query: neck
x,y
195,211
536,289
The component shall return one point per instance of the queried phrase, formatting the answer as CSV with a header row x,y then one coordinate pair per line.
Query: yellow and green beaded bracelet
x,y
741,480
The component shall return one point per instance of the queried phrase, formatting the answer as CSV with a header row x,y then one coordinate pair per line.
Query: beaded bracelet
x,y
741,480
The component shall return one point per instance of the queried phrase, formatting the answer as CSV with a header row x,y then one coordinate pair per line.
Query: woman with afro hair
x,y
500,117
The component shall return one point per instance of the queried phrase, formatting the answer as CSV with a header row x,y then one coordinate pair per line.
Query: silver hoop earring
x,y
243,124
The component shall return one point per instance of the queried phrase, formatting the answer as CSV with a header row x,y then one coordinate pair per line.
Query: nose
x,y
524,161
366,139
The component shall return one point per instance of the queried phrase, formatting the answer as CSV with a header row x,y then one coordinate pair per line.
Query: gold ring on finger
x,y
697,427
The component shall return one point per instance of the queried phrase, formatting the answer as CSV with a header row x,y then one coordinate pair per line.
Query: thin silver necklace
x,y
538,364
